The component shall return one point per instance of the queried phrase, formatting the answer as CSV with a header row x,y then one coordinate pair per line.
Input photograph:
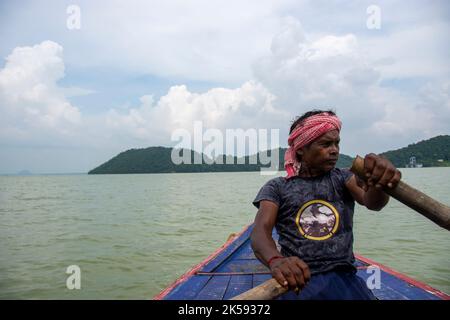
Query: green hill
x,y
434,152
158,160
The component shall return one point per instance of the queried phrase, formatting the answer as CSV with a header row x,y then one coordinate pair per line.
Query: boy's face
x,y
322,154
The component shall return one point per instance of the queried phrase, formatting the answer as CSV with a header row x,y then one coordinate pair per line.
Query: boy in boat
x,y
312,209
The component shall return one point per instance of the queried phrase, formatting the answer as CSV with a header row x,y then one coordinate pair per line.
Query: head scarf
x,y
304,133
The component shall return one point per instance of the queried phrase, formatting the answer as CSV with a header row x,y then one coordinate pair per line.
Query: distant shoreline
x,y
42,174
85,173
434,152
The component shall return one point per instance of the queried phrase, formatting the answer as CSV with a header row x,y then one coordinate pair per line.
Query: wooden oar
x,y
268,290
413,198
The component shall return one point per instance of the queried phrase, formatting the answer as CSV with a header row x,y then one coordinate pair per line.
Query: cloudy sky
x,y
127,74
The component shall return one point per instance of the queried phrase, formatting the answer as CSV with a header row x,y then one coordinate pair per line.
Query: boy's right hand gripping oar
x,y
413,198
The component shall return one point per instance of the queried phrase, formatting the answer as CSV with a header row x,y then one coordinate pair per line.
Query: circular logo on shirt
x,y
317,220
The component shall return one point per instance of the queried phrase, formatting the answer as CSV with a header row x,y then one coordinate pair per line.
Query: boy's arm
x,y
263,244
288,271
381,173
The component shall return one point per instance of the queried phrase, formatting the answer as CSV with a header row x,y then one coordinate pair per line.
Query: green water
x,y
132,235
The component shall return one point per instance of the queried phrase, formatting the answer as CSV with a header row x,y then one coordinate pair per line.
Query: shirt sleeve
x,y
270,191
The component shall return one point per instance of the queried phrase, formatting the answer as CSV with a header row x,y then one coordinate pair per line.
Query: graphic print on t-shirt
x,y
317,220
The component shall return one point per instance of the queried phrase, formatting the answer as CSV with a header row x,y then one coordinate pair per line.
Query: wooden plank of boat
x,y
233,269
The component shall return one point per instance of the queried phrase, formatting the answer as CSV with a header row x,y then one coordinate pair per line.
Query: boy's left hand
x,y
380,172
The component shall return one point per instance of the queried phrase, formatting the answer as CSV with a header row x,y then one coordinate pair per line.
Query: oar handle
x,y
268,290
413,198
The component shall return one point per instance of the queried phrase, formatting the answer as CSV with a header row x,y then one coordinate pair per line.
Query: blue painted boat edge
x,y
221,254
413,282
226,252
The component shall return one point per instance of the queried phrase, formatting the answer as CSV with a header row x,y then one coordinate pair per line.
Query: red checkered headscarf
x,y
304,133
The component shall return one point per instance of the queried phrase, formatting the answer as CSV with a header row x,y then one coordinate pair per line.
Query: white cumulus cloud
x,y
31,101
328,71
249,106
334,71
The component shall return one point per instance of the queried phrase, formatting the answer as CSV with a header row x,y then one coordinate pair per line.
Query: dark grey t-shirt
x,y
315,218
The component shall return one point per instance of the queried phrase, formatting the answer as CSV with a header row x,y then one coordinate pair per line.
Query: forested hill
x,y
158,160
432,152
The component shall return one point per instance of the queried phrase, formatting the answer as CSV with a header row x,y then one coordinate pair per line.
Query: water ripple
x,y
132,235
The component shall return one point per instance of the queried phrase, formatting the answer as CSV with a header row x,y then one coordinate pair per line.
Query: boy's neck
x,y
308,172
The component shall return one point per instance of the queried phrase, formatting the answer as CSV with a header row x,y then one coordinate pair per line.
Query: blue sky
x,y
136,71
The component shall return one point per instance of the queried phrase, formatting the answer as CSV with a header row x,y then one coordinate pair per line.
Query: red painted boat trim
x,y
194,269
405,278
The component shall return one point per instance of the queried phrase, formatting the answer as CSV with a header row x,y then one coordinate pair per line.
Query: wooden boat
x,y
234,269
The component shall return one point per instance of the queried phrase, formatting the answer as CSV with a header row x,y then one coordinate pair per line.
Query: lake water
x,y
132,235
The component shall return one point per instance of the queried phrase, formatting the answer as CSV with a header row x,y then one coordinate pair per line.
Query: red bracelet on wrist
x,y
272,259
